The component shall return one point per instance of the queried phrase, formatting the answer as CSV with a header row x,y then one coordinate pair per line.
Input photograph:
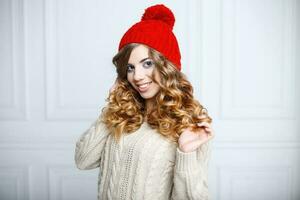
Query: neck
x,y
149,105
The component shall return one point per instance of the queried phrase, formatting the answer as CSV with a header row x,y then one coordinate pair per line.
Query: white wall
x,y
55,72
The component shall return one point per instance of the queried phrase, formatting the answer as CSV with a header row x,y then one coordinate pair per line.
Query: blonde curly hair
x,y
175,108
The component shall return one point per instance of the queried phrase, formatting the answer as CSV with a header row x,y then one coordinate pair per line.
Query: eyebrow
x,y
141,60
144,59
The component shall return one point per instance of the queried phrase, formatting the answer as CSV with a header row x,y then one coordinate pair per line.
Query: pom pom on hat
x,y
159,12
155,30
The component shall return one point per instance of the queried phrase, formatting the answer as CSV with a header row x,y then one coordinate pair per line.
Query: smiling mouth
x,y
144,87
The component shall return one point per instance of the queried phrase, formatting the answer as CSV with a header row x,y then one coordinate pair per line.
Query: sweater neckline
x,y
144,126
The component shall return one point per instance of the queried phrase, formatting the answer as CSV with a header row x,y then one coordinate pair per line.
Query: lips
x,y
143,87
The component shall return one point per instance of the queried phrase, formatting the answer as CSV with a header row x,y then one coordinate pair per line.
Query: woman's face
x,y
140,68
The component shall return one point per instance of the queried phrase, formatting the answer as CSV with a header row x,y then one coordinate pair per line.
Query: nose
x,y
138,74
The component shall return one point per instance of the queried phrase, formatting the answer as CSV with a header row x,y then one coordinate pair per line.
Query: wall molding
x,y
230,107
18,108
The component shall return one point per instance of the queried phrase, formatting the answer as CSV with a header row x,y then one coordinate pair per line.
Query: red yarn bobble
x,y
159,12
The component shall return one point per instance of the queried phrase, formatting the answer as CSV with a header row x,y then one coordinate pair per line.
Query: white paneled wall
x,y
241,56
13,101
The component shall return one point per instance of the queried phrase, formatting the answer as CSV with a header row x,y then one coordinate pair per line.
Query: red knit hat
x,y
155,31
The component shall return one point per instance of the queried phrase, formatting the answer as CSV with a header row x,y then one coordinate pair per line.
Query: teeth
x,y
144,85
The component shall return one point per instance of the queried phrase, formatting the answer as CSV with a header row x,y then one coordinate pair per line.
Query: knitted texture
x,y
155,31
144,165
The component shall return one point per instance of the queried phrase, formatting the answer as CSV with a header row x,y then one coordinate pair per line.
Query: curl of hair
x,y
175,109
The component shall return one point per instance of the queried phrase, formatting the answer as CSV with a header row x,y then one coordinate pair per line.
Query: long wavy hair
x,y
175,109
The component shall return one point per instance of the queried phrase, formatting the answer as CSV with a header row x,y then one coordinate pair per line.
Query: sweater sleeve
x,y
191,174
90,145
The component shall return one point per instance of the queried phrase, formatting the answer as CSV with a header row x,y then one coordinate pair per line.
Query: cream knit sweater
x,y
144,165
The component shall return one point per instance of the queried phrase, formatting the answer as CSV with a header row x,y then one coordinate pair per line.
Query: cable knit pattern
x,y
155,173
165,181
114,171
90,145
143,165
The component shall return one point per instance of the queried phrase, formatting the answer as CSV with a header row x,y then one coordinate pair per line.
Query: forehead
x,y
138,53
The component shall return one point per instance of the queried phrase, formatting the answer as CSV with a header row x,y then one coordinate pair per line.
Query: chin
x,y
147,96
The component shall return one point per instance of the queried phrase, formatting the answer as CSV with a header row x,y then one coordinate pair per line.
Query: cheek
x,y
130,78
157,77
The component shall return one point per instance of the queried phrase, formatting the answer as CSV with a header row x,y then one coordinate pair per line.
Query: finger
x,y
210,137
210,132
203,124
209,129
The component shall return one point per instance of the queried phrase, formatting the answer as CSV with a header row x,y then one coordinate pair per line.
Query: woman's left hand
x,y
189,140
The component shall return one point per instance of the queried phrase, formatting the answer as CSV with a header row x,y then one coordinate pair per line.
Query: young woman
x,y
151,141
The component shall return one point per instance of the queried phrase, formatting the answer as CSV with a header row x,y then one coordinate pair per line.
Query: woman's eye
x,y
130,68
148,63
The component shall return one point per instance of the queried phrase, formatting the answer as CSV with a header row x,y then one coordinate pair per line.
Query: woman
x,y
151,140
